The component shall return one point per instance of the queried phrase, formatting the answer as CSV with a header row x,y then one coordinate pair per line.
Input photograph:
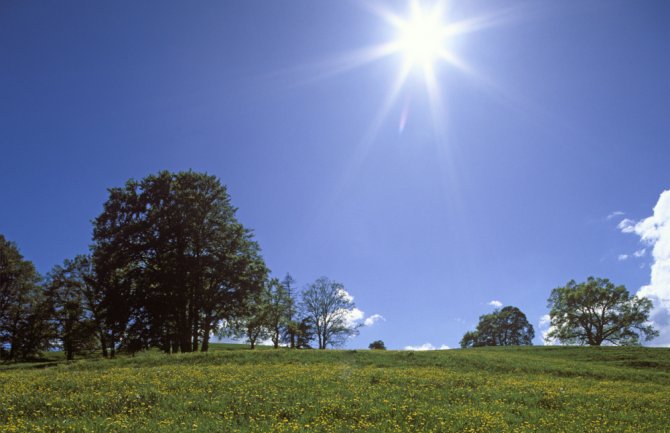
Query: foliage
x,y
377,345
279,310
505,327
328,305
174,261
75,306
291,326
23,331
509,389
252,320
596,312
304,333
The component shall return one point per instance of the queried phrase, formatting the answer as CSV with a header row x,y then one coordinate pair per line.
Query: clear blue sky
x,y
564,119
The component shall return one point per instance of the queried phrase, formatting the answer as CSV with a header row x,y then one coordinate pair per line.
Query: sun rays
x,y
422,38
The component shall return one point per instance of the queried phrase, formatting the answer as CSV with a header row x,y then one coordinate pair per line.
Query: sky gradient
x,y
560,131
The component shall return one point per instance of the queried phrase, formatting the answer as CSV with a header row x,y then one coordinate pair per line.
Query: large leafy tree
x,y
328,307
505,327
22,310
596,312
174,260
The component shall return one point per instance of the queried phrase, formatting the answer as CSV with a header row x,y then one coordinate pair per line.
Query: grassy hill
x,y
542,389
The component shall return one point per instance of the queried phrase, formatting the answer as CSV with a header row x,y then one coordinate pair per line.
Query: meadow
x,y
528,389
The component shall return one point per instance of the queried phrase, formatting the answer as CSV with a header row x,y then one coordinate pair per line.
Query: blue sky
x,y
562,119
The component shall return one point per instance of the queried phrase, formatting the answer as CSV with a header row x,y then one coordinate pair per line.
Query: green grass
x,y
541,389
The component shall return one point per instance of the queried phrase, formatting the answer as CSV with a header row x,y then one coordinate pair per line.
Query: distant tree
x,y
505,327
597,312
23,331
33,334
76,307
470,339
173,260
278,310
304,333
290,328
252,321
328,306
377,345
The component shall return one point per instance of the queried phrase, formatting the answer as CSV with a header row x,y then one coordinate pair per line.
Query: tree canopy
x,y
505,327
22,308
174,260
377,345
596,312
74,300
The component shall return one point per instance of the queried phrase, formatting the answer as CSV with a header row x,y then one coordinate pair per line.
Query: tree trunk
x,y
204,347
205,335
112,345
103,345
184,333
195,335
275,339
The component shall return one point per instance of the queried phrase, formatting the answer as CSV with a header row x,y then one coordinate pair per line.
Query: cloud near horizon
x,y
655,232
426,346
495,304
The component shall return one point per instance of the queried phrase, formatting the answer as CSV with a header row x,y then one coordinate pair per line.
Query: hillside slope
x,y
543,389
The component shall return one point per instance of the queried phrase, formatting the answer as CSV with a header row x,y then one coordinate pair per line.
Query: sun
x,y
421,37
426,40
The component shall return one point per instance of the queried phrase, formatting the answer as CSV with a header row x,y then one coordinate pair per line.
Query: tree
x,y
377,345
329,307
505,327
22,313
253,321
278,310
76,307
304,333
292,325
174,261
596,312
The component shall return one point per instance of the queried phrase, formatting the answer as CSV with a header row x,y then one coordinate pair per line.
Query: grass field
x,y
541,389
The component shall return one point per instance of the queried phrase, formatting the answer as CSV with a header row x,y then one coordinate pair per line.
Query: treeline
x,y
592,313
169,267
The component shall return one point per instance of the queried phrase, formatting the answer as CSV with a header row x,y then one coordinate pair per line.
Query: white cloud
x,y
545,327
655,231
622,257
545,321
346,295
615,214
371,320
640,253
426,346
495,304
627,225
352,317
